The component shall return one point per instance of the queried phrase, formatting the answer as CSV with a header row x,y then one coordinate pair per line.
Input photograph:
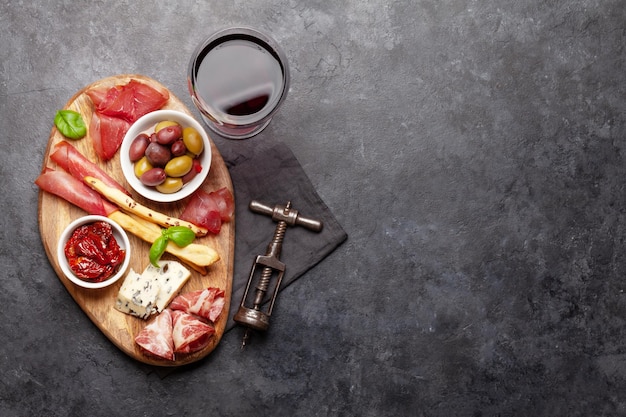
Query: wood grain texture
x,y
55,214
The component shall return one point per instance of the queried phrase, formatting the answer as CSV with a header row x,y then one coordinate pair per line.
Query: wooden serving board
x,y
55,214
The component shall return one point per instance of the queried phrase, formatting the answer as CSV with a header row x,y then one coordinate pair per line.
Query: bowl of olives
x,y
165,155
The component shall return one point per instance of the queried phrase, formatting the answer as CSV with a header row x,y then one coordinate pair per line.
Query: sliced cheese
x,y
171,276
137,295
152,291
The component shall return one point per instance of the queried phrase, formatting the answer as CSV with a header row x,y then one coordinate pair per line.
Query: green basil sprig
x,y
180,235
157,249
70,124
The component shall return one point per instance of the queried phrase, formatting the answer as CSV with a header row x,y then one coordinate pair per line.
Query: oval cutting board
x,y
55,214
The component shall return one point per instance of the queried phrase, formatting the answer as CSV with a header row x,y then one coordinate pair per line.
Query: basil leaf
x,y
180,235
70,124
157,249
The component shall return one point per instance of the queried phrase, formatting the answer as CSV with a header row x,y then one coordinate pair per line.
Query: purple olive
x,y
138,147
153,177
169,134
158,155
178,148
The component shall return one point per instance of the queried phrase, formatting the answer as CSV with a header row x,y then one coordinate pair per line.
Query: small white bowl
x,y
146,124
118,233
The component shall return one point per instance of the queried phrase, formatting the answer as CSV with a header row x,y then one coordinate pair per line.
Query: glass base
x,y
235,132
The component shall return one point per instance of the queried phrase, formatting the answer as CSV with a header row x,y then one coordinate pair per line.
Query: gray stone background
x,y
472,150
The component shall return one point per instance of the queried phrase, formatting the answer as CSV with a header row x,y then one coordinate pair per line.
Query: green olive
x,y
193,140
164,123
142,166
170,185
179,166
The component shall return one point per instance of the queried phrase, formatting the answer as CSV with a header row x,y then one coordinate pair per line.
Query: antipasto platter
x,y
55,214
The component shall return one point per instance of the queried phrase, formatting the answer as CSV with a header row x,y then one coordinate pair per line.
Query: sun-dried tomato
x,y
93,253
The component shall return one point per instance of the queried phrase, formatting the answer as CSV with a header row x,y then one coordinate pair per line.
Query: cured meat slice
x,y
156,338
129,101
106,134
146,98
116,108
225,203
207,303
98,95
64,185
189,333
71,160
202,210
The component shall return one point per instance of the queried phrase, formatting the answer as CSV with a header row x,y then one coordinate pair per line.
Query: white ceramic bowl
x,y
146,124
118,233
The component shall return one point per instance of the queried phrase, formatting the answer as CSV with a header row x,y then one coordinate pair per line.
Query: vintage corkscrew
x,y
254,312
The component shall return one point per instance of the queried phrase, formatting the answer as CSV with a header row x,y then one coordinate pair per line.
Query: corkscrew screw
x,y
255,309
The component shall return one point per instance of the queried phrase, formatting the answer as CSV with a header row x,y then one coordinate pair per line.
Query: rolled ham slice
x,y
189,333
156,338
64,185
207,303
71,160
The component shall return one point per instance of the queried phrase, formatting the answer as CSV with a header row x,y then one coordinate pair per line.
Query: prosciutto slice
x,y
210,210
116,108
98,95
107,134
202,210
189,333
207,303
64,185
129,101
156,338
71,160
225,203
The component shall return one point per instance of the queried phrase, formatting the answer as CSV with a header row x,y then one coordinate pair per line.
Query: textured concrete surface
x,y
474,153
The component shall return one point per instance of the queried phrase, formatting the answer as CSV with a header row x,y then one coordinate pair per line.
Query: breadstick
x,y
196,256
129,205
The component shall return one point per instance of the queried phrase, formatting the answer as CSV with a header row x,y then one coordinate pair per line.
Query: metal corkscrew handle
x,y
285,213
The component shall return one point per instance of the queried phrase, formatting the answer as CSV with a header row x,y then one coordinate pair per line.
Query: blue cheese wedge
x,y
137,295
152,291
171,276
